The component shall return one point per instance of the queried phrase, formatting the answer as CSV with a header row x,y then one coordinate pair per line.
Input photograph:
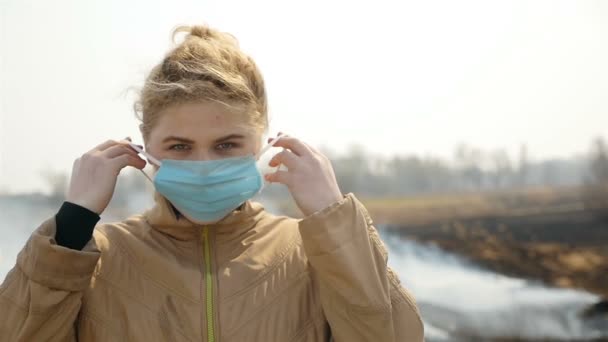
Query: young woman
x,y
206,263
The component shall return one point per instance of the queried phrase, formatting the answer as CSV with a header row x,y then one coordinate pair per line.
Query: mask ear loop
x,y
264,150
267,147
150,158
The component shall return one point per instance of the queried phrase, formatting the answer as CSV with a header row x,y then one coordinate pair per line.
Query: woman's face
x,y
201,131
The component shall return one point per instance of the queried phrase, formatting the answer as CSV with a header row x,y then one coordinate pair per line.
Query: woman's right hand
x,y
94,174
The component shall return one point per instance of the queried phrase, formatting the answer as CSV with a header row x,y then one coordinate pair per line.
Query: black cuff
x,y
75,225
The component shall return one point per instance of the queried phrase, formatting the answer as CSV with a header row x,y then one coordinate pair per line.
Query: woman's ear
x,y
143,136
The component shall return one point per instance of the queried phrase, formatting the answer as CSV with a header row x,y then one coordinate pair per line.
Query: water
x,y
455,297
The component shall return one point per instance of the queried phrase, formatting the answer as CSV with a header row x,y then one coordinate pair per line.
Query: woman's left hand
x,y
309,177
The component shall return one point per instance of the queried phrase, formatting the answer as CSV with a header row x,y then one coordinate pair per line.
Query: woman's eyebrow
x,y
178,139
228,137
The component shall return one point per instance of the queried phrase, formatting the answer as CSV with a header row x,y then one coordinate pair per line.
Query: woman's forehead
x,y
201,122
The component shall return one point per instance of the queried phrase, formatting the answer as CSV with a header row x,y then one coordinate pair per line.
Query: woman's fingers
x,y
104,145
295,145
111,143
126,159
94,174
286,157
282,177
313,149
118,150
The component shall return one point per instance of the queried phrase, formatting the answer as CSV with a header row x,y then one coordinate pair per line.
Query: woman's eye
x,y
225,146
179,147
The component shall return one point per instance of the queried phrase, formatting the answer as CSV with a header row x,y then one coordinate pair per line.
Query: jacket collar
x,y
164,218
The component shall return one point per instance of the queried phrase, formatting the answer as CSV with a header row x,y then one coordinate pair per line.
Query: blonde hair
x,y
207,65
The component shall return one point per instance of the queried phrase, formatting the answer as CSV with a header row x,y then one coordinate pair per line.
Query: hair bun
x,y
197,31
201,32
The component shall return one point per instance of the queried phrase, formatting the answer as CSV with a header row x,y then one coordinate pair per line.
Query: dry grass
x,y
425,209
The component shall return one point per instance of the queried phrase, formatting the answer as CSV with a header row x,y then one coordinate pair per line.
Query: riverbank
x,y
544,235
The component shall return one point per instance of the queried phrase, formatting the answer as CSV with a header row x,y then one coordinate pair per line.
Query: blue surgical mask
x,y
206,191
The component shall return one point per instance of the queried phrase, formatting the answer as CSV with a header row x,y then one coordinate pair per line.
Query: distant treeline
x,y
470,169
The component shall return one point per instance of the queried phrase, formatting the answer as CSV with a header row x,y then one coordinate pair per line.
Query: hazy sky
x,y
393,76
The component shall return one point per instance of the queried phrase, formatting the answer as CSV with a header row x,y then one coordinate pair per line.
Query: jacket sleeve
x,y
41,296
362,298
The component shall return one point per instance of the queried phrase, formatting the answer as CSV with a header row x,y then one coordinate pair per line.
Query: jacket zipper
x,y
208,286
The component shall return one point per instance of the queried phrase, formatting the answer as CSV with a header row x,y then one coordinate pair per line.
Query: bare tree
x,y
468,161
596,188
599,161
522,169
502,168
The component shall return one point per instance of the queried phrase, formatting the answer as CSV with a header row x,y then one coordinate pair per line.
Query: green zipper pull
x,y
209,286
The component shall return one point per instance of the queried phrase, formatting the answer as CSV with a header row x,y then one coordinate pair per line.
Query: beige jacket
x,y
251,277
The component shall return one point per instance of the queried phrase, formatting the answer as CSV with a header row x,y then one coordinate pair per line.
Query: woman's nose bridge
x,y
202,154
